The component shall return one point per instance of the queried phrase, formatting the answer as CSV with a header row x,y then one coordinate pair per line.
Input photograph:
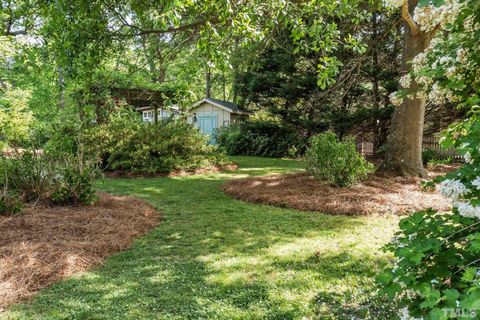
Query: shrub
x,y
260,138
34,176
436,270
428,155
30,174
9,202
125,143
433,275
74,183
336,162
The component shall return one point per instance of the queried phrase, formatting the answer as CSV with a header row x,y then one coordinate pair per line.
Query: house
x,y
146,101
209,114
148,113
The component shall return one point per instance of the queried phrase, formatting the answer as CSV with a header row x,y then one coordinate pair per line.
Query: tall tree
x,y
404,151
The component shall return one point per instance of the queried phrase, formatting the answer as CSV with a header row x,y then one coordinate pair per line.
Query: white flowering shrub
x,y
436,273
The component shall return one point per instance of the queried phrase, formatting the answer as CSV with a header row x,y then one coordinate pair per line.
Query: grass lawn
x,y
213,257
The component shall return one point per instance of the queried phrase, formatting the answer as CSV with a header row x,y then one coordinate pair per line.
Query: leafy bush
x,y
125,143
30,174
74,183
34,176
433,274
436,272
336,162
428,155
260,138
9,202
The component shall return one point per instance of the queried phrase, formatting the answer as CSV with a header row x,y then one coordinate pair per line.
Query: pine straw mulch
x,y
376,195
45,244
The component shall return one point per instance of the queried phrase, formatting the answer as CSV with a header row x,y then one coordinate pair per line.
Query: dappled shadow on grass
x,y
215,257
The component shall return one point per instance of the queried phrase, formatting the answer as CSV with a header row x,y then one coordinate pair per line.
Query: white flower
x,y
467,210
418,63
423,80
453,189
395,99
451,72
421,94
436,41
462,55
468,158
444,60
405,81
476,183
404,314
430,17
437,95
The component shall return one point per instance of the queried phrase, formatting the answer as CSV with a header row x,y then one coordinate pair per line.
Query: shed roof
x,y
226,105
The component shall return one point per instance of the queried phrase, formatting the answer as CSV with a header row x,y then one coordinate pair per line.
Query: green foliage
x,y
31,174
435,271
35,176
76,183
335,162
9,202
15,118
124,142
260,138
428,155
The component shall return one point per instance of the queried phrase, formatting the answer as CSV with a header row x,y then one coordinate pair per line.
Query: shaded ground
x,y
214,257
44,244
377,195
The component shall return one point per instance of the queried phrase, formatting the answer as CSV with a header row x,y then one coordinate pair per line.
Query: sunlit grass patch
x,y
214,257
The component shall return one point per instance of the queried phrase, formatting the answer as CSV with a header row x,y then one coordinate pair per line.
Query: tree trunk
x,y
404,150
208,83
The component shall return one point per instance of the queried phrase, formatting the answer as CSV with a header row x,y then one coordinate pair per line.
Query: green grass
x,y
213,257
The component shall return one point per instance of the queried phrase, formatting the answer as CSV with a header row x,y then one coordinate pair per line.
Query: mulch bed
x,y
376,195
45,244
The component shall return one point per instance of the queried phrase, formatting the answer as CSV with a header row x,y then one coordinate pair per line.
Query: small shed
x,y
146,101
209,114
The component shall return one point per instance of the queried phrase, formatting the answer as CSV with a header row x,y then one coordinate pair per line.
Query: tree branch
x,y
407,17
184,27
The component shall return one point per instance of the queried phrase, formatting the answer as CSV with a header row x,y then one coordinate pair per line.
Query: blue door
x,y
207,125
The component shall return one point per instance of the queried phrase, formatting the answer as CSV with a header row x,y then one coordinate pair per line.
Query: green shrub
x,y
74,183
125,143
31,174
335,162
9,202
260,138
34,176
229,138
433,275
428,155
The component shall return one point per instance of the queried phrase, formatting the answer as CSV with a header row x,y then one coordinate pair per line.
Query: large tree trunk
x,y
404,149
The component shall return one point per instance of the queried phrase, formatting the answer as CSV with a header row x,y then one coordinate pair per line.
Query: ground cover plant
x,y
218,258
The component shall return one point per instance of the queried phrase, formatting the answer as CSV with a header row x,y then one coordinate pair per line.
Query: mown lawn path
x,y
213,257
